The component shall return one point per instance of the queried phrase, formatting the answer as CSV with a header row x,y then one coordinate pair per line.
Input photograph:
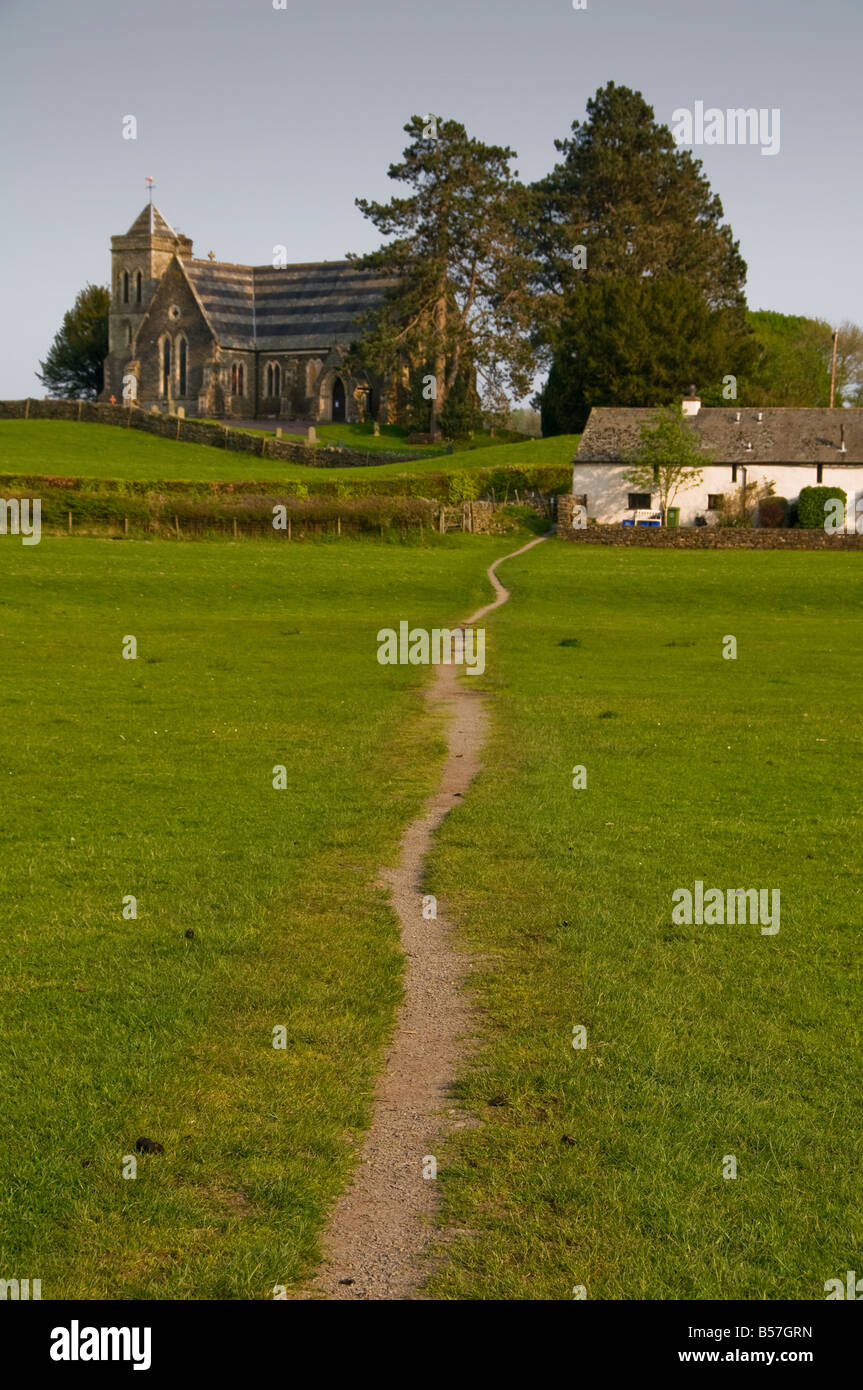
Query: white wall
x,y
607,490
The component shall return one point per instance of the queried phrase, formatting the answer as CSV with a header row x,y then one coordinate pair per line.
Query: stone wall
x,y
700,537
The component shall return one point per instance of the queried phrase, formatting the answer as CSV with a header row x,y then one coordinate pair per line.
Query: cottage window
x,y
734,472
639,501
820,476
715,501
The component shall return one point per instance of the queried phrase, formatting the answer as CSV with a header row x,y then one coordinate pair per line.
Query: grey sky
x,y
260,126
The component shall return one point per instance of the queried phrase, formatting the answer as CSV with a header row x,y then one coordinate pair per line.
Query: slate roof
x,y
296,307
141,225
782,436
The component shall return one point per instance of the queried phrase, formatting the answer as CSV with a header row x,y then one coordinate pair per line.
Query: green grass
x,y
702,1041
62,448
153,777
395,438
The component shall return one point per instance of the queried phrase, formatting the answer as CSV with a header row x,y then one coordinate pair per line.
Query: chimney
x,y
692,403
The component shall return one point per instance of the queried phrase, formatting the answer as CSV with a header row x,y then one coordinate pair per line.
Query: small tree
x,y
669,459
75,359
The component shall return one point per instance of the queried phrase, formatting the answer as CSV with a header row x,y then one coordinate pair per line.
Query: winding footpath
x,y
385,1220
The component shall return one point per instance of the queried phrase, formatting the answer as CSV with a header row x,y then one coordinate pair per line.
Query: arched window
x,y
240,380
234,379
125,287
139,287
181,372
277,380
269,378
166,365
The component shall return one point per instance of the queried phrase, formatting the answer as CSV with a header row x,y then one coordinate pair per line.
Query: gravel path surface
x,y
385,1220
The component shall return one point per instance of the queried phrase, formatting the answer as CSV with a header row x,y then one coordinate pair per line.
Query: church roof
x,y
142,226
300,307
778,434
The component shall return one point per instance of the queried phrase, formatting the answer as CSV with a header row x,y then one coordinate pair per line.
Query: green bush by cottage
x,y
810,507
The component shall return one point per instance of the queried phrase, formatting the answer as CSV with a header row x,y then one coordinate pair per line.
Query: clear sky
x,y
260,126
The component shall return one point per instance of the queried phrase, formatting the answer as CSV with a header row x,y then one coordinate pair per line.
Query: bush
x,y
463,487
810,506
773,511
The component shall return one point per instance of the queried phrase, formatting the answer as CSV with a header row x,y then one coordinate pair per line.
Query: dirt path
x,y
384,1221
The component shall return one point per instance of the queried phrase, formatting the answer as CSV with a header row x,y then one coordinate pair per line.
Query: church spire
x,y
150,191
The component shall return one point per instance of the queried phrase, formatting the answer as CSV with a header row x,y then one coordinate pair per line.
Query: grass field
x,y
395,438
62,448
153,777
603,1167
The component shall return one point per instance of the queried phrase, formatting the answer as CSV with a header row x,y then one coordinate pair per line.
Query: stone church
x,y
236,340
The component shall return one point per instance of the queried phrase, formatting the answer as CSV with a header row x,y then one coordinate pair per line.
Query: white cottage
x,y
789,448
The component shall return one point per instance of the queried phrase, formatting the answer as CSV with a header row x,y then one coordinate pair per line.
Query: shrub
x,y
810,505
772,511
463,487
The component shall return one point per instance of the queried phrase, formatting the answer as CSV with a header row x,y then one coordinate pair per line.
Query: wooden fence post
x,y
176,526
126,525
235,528
338,526
69,516
27,409
80,408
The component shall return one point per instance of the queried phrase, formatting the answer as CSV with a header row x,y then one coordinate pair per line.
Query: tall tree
x,y
625,204
637,342
73,366
794,358
462,306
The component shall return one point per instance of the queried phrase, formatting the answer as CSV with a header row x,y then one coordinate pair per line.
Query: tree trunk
x,y
439,397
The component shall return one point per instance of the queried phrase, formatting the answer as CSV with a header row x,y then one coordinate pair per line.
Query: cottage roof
x,y
783,435
294,307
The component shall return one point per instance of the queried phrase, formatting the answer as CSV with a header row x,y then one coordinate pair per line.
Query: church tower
x,y
138,261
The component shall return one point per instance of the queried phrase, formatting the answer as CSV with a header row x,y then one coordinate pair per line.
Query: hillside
x,y
55,448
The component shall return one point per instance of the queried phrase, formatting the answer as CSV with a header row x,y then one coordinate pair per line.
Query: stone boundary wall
x,y
712,538
197,432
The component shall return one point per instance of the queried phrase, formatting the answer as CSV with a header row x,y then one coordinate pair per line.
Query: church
x,y
225,340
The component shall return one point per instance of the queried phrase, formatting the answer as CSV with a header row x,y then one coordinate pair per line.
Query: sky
x,y
260,126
